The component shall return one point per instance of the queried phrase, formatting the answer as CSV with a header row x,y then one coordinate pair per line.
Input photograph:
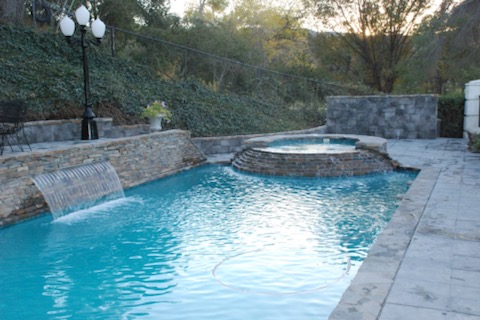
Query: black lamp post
x,y
89,126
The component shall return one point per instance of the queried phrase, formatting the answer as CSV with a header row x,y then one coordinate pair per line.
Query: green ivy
x,y
42,69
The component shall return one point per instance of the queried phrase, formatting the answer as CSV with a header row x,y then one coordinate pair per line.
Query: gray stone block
x,y
416,115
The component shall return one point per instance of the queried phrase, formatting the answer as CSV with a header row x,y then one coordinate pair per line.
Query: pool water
x,y
208,243
312,145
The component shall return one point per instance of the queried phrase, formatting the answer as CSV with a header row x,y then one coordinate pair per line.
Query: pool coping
x,y
362,142
368,291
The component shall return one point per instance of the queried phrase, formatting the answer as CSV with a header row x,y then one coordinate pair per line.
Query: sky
x,y
179,6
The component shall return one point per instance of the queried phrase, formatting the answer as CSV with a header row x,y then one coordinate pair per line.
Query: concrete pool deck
x,y
426,263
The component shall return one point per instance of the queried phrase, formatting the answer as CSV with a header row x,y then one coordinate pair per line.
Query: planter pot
x,y
156,123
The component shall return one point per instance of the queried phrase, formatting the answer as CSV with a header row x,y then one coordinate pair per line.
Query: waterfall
x,y
79,187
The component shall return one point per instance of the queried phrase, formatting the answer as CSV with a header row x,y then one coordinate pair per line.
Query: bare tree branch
x,y
378,32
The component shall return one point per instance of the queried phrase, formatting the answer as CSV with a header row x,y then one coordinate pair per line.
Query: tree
x,y
276,31
12,11
426,71
377,32
121,14
334,61
207,10
457,45
133,14
446,49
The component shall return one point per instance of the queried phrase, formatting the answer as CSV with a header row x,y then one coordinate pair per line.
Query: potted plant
x,y
156,112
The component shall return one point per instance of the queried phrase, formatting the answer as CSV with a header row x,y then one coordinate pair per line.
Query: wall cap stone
x,y
384,96
362,142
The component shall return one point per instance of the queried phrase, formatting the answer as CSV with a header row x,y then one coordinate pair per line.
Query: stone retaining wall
x,y
70,129
390,117
233,144
136,160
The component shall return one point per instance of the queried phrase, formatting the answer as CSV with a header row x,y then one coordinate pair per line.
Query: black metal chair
x,y
12,117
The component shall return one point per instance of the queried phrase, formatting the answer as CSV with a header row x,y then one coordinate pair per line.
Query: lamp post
x,y
67,25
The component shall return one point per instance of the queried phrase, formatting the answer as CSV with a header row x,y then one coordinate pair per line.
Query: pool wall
x,y
234,144
137,160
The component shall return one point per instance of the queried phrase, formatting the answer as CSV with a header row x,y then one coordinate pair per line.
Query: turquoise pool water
x,y
312,145
208,243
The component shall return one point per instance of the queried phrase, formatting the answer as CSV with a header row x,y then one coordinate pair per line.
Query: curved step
x,y
357,162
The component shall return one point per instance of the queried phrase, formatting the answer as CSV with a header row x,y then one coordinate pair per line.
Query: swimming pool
x,y
208,243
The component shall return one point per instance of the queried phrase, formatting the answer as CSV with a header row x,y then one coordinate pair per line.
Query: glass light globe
x,y
67,26
82,15
98,28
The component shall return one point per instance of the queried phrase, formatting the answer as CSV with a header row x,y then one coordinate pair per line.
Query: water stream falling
x,y
80,187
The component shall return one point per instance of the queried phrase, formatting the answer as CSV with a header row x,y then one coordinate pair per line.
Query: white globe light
x,y
82,15
98,28
67,26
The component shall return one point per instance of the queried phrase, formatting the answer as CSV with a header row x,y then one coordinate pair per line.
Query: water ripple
x,y
209,243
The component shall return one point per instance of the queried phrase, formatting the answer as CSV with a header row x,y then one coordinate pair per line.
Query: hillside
x,y
42,69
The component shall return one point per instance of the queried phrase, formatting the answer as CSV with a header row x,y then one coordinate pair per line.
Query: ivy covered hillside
x,y
41,68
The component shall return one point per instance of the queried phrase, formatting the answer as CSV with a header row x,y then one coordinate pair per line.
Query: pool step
x,y
353,163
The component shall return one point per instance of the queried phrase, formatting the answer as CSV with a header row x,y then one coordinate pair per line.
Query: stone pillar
x,y
472,106
104,126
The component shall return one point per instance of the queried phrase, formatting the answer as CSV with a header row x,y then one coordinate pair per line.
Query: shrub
x,y
474,142
156,108
450,112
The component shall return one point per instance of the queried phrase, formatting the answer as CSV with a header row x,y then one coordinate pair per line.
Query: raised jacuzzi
x,y
314,155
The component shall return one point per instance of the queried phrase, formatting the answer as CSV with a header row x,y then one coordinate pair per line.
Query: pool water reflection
x,y
208,243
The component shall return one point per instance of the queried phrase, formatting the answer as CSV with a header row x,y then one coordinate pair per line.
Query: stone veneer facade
x,y
355,163
234,144
368,156
70,129
390,117
137,160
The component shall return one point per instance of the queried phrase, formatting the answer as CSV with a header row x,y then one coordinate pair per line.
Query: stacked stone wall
x,y
358,162
70,129
390,117
233,144
136,160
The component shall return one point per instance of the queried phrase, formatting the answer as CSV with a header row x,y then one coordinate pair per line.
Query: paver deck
x,y
426,263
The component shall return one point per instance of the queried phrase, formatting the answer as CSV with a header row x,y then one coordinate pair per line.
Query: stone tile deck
x,y
426,263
